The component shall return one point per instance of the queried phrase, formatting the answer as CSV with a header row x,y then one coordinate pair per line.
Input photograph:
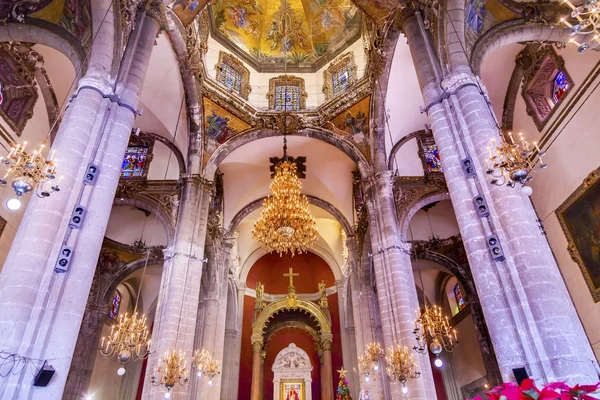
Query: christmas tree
x,y
343,392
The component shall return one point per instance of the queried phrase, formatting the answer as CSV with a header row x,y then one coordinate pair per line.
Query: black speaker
x,y
468,167
520,374
481,206
495,248
44,375
91,173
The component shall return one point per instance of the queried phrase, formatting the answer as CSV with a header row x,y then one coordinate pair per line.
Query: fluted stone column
x,y
326,371
395,282
530,318
257,365
41,311
175,321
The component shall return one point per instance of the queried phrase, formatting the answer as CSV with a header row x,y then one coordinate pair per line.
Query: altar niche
x,y
292,370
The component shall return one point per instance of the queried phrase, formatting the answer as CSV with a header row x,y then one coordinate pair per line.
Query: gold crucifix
x,y
291,274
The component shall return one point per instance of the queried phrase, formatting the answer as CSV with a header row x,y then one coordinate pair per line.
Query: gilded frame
x,y
346,59
592,182
282,390
286,80
236,64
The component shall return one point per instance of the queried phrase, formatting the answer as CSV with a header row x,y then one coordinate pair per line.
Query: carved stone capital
x,y
257,345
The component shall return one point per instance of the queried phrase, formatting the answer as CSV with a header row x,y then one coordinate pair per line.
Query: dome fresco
x,y
265,32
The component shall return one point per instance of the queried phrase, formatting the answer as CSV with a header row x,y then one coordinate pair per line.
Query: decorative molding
x,y
286,80
237,65
345,60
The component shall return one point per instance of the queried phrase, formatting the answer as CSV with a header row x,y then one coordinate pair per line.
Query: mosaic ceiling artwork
x,y
300,33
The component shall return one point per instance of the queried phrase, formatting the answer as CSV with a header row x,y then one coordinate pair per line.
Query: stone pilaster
x,y
257,365
395,282
530,318
326,371
45,321
176,314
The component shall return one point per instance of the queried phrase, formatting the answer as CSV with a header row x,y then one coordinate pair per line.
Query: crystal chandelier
x,y
588,24
285,223
369,362
512,162
401,366
29,172
206,365
171,372
433,330
128,341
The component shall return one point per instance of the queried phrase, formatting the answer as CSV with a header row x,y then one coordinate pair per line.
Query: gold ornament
x,y
128,341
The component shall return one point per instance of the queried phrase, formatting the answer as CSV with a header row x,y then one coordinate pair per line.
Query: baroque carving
x,y
408,190
196,49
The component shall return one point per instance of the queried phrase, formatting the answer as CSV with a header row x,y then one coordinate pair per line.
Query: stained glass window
x,y
134,162
561,85
342,78
287,98
460,300
114,308
432,157
230,78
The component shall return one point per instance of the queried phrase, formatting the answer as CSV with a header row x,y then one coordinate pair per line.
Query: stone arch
x,y
419,204
118,276
252,135
512,32
401,143
325,205
278,326
152,206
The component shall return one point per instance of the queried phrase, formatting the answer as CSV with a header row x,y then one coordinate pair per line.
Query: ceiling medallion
x,y
285,224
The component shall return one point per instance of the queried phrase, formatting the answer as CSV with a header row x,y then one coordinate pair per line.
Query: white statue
x,y
364,395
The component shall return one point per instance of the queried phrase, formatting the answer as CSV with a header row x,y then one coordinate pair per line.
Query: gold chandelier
x,y
433,331
206,364
401,366
30,172
513,162
587,16
285,223
369,362
128,341
171,372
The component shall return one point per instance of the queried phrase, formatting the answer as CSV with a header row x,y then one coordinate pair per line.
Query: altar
x,y
292,369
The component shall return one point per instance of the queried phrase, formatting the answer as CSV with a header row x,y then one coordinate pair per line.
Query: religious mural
x,y
292,391
353,124
72,15
219,126
579,217
187,10
269,30
481,15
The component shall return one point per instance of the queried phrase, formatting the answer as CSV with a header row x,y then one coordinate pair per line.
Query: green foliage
x,y
320,48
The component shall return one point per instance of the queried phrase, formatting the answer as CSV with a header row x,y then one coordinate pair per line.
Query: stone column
x,y
263,357
326,371
41,311
257,365
526,289
237,349
395,282
175,321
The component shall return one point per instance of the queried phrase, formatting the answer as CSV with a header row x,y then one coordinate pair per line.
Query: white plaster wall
x,y
260,81
163,157
126,223
443,222
407,160
468,362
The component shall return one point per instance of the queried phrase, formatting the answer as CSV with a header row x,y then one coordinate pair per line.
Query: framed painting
x,y
579,217
292,390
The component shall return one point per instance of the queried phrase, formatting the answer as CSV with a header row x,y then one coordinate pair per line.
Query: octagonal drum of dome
x,y
280,35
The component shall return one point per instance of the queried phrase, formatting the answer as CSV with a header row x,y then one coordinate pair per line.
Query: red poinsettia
x,y
552,391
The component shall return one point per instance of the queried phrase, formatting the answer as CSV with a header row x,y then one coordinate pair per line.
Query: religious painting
x,y
353,124
430,155
475,15
114,307
293,31
292,390
134,162
187,10
579,217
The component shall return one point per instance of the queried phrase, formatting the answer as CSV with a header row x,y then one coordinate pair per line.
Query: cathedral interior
x,y
299,199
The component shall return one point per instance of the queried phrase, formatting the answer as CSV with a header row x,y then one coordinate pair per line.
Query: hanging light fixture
x,y
206,365
369,361
171,371
29,172
129,341
587,16
433,331
512,163
401,366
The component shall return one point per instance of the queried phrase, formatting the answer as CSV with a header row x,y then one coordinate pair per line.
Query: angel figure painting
x,y
293,391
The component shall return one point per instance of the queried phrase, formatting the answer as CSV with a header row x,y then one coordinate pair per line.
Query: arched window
x,y
545,82
460,300
114,307
232,74
286,93
340,75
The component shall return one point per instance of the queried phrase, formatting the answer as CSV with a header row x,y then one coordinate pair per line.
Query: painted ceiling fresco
x,y
305,31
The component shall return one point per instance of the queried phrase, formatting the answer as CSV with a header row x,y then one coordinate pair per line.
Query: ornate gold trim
x,y
592,179
235,63
334,67
286,80
288,381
